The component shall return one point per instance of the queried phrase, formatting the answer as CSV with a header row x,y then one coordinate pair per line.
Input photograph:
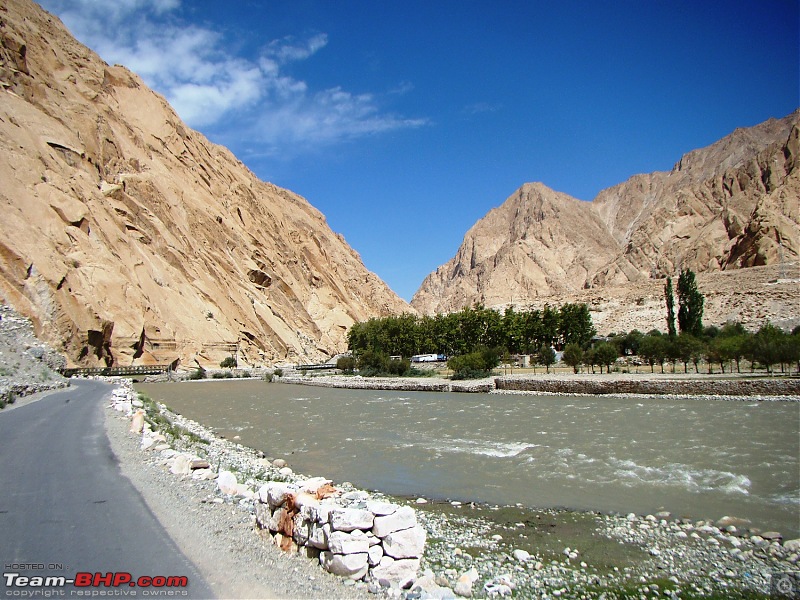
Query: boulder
x,y
402,572
137,423
181,465
352,566
375,554
226,482
408,543
274,493
381,508
402,518
341,542
349,519
318,535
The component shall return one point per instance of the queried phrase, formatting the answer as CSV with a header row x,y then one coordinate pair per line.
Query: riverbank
x,y
479,550
617,384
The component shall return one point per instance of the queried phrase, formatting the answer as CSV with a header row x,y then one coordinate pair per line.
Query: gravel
x,y
27,366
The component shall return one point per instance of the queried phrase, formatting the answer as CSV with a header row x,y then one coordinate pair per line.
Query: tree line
x,y
471,329
476,338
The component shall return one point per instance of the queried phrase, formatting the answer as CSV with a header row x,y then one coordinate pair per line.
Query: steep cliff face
x,y
126,236
729,206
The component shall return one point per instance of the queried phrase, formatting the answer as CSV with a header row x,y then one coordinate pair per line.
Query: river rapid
x,y
696,458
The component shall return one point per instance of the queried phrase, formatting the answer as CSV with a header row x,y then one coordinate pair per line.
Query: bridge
x,y
116,371
315,367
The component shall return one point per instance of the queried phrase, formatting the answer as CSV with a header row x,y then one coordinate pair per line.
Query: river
x,y
695,458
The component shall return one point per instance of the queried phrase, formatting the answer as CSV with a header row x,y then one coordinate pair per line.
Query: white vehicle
x,y
427,358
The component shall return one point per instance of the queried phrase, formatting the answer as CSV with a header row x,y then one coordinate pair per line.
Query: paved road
x,y
63,501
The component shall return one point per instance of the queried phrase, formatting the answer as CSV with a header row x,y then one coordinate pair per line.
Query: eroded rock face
x,y
726,207
126,236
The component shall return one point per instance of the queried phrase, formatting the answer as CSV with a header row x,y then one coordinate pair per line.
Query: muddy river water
x,y
697,458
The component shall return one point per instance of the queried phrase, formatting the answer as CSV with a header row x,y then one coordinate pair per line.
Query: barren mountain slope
x,y
537,243
127,236
731,205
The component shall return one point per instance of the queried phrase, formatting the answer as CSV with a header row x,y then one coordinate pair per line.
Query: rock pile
x,y
351,536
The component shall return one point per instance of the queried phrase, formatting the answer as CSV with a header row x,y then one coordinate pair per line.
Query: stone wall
x,y
351,537
699,386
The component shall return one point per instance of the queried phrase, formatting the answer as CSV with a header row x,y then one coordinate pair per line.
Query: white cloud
x,y
193,68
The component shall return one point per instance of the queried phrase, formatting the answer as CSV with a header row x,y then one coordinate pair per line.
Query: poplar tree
x,y
670,308
690,301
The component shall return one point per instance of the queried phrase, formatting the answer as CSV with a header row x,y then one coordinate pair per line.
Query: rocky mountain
x,y
727,207
127,237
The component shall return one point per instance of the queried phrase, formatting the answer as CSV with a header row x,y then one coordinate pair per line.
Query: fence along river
x,y
697,458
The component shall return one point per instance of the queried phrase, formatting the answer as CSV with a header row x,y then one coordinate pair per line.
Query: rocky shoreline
x,y
488,551
640,385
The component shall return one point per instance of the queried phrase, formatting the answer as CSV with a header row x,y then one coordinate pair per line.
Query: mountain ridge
x,y
127,237
730,205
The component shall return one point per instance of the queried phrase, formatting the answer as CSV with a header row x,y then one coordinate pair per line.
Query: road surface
x,y
65,508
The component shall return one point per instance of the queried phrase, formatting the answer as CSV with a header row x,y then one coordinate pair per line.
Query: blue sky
x,y
405,122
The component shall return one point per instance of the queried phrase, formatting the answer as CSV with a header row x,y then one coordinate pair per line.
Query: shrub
x,y
346,364
278,372
228,362
399,367
268,377
198,374
474,365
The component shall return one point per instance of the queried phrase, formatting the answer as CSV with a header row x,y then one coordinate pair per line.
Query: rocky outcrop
x,y
129,238
723,208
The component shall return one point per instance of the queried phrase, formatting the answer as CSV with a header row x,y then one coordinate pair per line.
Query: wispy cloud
x,y
480,107
207,85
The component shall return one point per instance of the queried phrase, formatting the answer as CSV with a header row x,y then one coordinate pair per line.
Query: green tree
x,y
573,356
670,298
229,362
653,349
547,356
766,346
690,301
687,348
605,354
575,324
474,365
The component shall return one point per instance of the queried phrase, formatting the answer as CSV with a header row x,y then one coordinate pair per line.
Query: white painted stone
x,y
403,518
348,519
353,566
317,537
274,493
401,572
381,509
342,542
375,555
226,482
181,465
312,485
137,423
275,519
301,530
408,543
